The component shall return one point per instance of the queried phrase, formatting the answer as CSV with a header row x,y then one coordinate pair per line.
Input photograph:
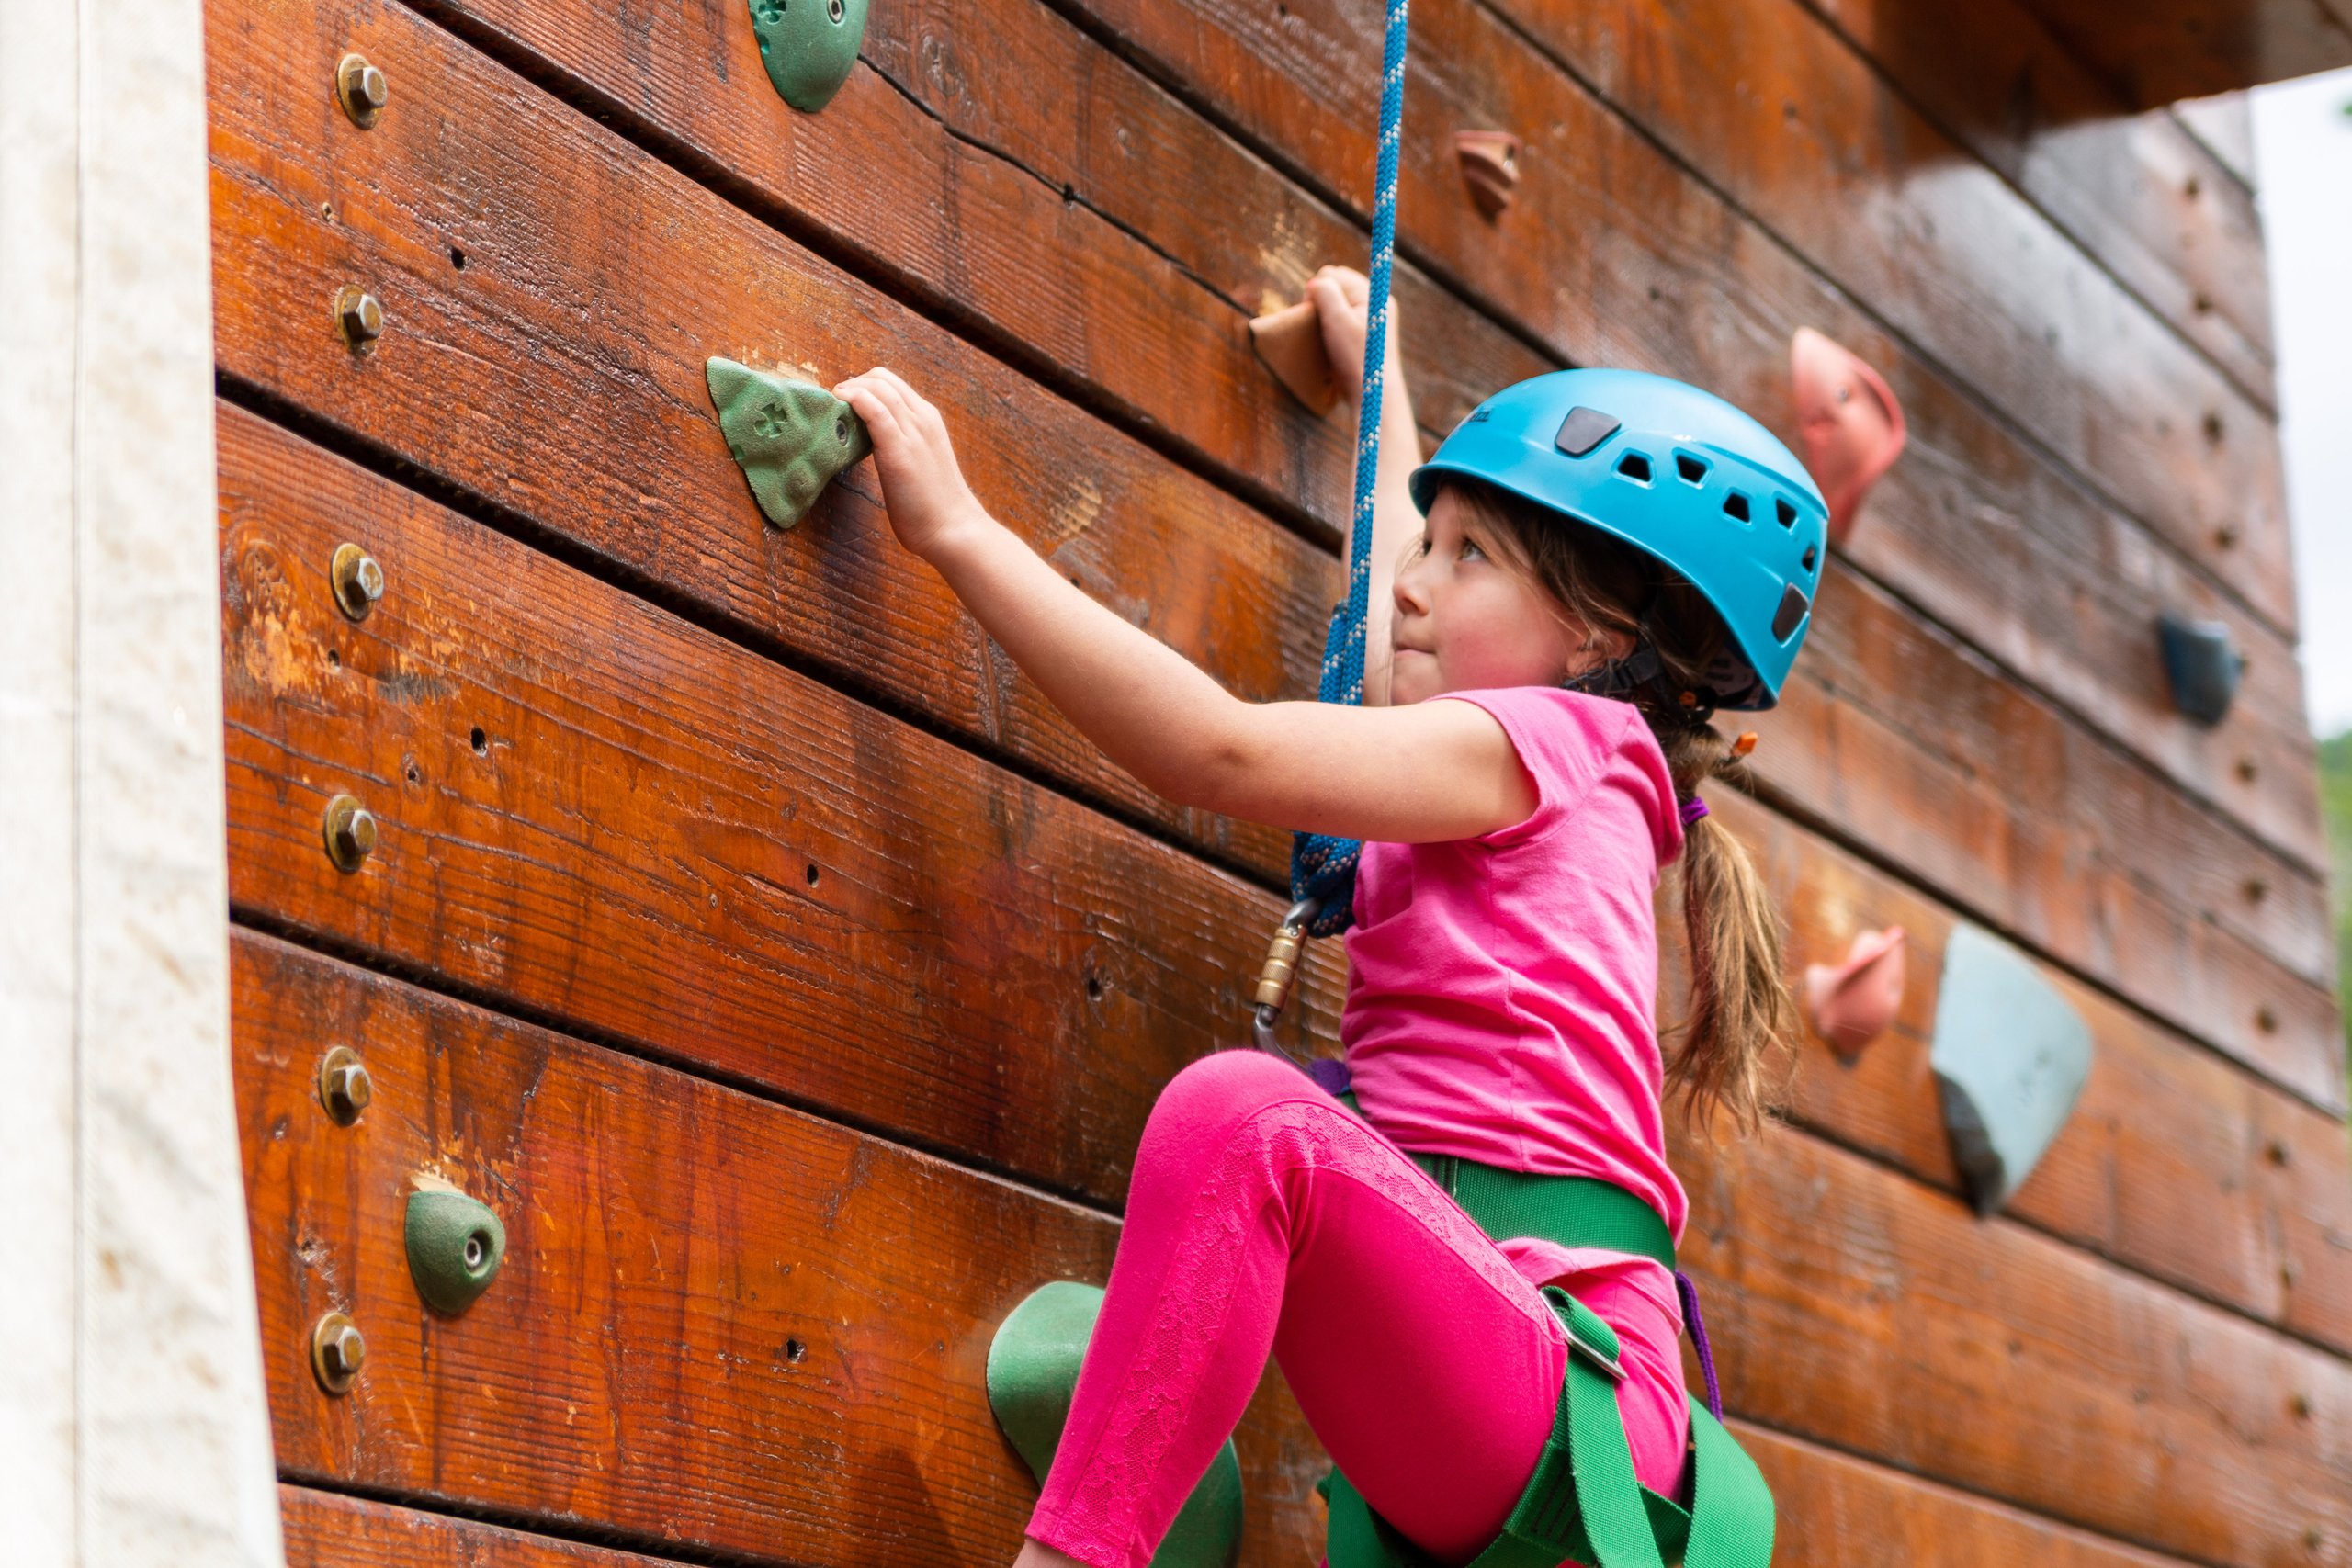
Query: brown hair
x,y
1737,1040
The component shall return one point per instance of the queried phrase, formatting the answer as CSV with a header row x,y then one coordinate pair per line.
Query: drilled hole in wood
x,y
480,742
335,659
814,875
1095,988
794,1350
416,774
456,258
2266,1019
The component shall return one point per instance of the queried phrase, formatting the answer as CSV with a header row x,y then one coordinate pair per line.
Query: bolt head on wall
x,y
359,579
349,829
344,1088
338,1352
358,316
361,89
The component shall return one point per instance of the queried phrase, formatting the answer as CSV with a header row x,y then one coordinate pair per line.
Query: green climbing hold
x,y
808,46
790,438
1033,1370
455,1246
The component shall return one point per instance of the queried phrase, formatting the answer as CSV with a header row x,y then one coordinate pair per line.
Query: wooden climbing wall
x,y
795,983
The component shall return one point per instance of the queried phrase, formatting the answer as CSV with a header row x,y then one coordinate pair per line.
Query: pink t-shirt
x,y
1501,996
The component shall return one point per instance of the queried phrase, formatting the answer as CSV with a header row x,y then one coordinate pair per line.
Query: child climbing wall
x,y
794,983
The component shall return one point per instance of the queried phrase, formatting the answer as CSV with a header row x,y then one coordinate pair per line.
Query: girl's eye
x,y
1470,551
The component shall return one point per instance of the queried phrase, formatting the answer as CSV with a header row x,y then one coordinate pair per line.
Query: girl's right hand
x,y
1341,297
921,483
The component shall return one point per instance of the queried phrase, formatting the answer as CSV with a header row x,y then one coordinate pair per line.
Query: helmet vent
x,y
1735,506
1786,510
1634,466
1692,469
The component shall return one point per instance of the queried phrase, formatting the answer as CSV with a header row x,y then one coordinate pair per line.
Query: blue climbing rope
x,y
1323,868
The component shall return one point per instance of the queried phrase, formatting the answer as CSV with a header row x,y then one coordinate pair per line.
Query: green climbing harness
x,y
1583,1504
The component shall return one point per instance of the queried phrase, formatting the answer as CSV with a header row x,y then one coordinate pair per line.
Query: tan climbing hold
x,y
1291,342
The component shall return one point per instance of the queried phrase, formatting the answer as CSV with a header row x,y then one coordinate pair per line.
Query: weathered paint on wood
x,y
2151,202
499,437
595,812
1135,154
723,1325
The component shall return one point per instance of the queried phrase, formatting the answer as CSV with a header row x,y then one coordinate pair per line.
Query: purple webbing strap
x,y
1330,1074
1691,1320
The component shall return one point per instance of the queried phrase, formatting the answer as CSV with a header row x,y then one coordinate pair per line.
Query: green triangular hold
x,y
790,438
1032,1371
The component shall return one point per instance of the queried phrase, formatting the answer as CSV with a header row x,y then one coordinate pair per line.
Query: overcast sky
x,y
2302,138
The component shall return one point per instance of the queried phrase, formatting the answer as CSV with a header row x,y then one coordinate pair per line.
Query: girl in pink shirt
x,y
1503,962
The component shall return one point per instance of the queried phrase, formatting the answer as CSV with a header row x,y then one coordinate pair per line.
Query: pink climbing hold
x,y
1851,427
1853,1002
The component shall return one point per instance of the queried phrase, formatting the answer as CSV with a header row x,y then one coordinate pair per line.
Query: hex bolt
x,y
359,579
338,1350
350,832
359,315
361,88
344,1088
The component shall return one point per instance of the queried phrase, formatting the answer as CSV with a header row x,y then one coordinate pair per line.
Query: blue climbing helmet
x,y
1677,473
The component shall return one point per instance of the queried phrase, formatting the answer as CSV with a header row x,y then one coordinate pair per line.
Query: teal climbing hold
x,y
808,46
1033,1370
455,1246
2010,1058
790,438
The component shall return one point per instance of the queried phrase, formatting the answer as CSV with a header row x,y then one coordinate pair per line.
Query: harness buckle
x,y
1610,1366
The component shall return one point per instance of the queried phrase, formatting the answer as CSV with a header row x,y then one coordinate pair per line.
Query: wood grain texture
x,y
671,1240
479,386
2163,49
722,1325
1304,79
1834,1512
2137,191
597,813
558,373
2175,1163
1852,1308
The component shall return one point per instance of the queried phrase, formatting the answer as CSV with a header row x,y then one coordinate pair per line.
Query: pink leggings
x,y
1263,1216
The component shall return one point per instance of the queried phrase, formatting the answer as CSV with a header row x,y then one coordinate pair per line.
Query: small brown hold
x,y
2266,1019
2247,770
349,829
2278,1153
344,1088
2256,890
1290,341
1489,161
2299,1405
360,87
359,315
338,1352
2226,536
359,579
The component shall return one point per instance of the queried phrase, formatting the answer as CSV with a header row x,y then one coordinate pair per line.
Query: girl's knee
x,y
1204,1106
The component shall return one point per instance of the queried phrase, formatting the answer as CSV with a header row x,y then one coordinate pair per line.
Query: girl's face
x,y
1467,621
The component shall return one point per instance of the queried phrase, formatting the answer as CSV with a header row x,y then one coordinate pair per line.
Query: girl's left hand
x,y
921,483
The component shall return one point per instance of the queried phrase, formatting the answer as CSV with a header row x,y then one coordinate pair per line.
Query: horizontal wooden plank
x,y
1851,1307
1653,248
2149,200
2154,53
720,1323
2175,1163
1836,1511
595,812
1206,574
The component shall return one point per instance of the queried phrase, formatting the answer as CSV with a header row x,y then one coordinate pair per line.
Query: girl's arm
x,y
1339,295
1421,774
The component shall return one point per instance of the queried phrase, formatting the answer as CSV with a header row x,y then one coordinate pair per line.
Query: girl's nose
x,y
1410,590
